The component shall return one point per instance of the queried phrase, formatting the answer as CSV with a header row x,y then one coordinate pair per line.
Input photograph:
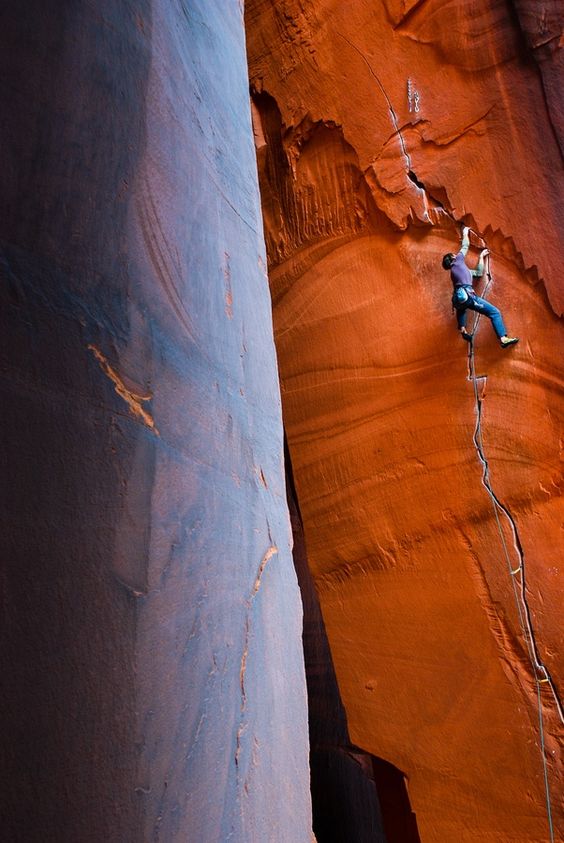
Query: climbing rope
x,y
540,672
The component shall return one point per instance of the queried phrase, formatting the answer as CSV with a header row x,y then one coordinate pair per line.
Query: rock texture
x,y
344,793
152,669
379,128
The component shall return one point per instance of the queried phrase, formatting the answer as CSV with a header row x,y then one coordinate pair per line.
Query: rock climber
x,y
464,297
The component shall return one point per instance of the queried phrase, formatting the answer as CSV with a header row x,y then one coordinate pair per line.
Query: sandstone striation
x,y
152,669
344,792
379,129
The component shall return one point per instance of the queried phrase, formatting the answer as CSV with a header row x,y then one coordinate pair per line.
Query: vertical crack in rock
x,y
243,668
133,401
228,286
437,205
268,555
271,551
391,111
409,173
521,596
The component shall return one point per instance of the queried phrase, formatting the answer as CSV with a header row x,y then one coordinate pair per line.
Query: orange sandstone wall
x,y
379,128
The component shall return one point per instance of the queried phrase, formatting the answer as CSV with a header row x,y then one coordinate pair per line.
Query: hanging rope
x,y
540,672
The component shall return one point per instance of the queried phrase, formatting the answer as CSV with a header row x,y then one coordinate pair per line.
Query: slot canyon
x,y
282,554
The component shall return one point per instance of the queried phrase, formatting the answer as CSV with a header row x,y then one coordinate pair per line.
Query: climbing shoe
x,y
466,336
505,343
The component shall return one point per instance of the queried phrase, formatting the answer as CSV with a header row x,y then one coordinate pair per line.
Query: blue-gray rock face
x,y
152,620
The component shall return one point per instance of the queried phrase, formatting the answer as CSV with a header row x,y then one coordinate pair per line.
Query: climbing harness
x,y
517,574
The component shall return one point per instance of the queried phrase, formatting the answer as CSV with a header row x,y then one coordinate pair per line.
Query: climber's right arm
x,y
465,245
479,271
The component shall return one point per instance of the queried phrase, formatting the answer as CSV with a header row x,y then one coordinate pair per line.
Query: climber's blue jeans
x,y
485,309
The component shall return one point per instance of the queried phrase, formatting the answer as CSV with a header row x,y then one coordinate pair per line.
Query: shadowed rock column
x,y
152,669
345,801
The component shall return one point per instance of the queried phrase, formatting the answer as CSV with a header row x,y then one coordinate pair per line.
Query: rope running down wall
x,y
540,673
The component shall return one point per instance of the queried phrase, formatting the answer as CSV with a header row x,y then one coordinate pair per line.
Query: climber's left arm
x,y
479,271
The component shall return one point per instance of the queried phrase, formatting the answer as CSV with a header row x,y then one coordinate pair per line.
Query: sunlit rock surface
x,y
152,669
379,128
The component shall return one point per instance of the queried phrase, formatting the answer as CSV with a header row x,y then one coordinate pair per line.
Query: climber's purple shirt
x,y
459,272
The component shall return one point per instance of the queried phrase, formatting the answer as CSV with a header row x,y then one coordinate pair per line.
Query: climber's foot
x,y
507,341
466,336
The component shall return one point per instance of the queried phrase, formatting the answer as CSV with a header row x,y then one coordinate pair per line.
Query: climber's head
x,y
448,260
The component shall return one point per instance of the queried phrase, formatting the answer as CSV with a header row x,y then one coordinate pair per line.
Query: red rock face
x,y
379,129
344,795
152,668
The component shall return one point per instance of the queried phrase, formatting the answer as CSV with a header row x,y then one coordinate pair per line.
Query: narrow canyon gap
x,y
355,796
152,669
379,129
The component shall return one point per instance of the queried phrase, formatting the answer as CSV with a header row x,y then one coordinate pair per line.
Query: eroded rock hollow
x,y
429,482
